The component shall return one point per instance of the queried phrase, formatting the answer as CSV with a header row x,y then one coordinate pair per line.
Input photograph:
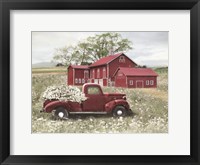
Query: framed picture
x,y
136,63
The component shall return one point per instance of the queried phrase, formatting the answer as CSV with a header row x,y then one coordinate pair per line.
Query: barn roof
x,y
79,66
137,71
106,60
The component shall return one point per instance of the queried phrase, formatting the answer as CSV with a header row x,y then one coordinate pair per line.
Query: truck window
x,y
93,91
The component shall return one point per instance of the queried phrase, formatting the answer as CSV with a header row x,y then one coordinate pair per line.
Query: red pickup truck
x,y
97,102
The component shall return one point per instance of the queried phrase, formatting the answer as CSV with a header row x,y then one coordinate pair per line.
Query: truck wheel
x,y
119,111
61,113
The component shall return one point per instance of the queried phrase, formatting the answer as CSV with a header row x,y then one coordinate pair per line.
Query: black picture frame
x,y
7,5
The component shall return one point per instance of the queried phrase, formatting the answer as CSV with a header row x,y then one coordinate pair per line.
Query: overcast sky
x,y
149,48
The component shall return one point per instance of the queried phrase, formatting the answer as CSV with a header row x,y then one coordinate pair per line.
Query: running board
x,y
96,113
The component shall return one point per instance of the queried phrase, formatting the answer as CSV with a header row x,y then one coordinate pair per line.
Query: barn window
x,y
147,82
79,80
121,59
120,74
98,73
86,74
83,81
76,80
131,82
104,72
151,82
93,73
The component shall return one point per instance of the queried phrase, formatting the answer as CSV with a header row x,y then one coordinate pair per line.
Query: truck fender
x,y
53,105
112,104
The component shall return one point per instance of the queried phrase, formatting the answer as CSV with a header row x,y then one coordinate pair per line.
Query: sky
x,y
149,48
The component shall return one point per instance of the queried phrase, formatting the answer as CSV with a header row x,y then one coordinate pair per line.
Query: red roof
x,y
105,60
79,66
137,71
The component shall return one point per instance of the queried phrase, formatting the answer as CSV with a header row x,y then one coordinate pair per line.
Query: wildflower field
x,y
150,107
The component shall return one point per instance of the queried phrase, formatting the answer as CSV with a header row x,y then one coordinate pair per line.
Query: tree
x,y
141,66
82,52
107,43
93,48
65,55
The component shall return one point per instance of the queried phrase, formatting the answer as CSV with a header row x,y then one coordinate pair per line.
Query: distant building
x,y
107,70
135,78
78,74
59,64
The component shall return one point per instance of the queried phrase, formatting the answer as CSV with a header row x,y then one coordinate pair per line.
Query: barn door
x,y
101,82
96,81
139,84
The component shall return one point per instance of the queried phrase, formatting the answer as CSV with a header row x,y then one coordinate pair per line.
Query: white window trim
x,y
98,73
93,73
151,82
130,82
79,80
147,82
76,80
121,59
104,72
83,80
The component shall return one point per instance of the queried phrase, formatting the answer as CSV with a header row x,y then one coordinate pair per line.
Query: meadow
x,y
150,108
49,70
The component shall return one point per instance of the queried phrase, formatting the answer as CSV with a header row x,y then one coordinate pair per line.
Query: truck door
x,y
95,100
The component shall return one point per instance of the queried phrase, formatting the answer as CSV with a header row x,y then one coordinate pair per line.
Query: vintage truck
x,y
97,102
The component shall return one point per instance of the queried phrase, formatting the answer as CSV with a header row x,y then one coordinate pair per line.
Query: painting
x,y
100,82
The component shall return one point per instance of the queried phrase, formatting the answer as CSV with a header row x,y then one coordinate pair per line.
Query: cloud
x,y
153,60
149,48
45,43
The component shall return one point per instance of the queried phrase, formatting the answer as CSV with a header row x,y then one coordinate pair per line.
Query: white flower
x,y
64,93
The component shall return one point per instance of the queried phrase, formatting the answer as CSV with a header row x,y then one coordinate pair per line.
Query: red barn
x,y
102,71
113,70
135,78
78,74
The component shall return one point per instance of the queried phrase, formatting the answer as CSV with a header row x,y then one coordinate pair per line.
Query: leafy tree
x,y
82,52
93,48
107,43
65,55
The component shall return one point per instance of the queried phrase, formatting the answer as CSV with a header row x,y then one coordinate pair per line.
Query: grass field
x,y
49,70
150,107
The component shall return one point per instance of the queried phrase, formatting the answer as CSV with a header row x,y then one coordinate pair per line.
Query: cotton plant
x,y
64,93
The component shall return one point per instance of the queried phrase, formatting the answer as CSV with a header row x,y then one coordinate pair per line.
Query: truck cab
x,y
95,98
97,102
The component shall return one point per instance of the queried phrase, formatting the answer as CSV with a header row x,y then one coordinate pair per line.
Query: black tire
x,y
119,111
61,113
